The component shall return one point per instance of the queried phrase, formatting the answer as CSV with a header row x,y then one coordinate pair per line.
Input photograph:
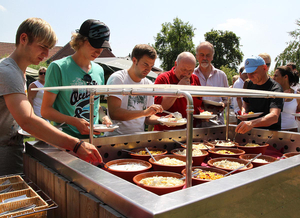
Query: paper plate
x,y
250,115
22,132
296,114
104,128
168,122
212,103
204,116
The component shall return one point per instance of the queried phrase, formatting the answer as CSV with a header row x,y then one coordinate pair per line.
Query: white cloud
x,y
2,8
234,24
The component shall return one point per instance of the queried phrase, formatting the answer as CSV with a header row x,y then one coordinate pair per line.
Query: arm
x,y
266,120
31,94
240,102
118,113
48,112
21,110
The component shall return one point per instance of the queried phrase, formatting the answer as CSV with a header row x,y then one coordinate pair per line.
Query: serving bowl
x,y
231,159
197,181
254,150
171,168
199,145
257,162
159,190
197,159
213,153
127,174
290,154
223,144
145,156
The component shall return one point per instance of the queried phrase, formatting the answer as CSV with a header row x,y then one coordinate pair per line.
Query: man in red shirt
x,y
180,74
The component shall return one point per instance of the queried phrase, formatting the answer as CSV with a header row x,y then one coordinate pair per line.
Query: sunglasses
x,y
42,73
87,78
268,64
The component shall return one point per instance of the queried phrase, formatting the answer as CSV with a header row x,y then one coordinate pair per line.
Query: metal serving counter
x,y
270,191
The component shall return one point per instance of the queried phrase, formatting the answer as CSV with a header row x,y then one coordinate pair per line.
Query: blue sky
x,y
262,25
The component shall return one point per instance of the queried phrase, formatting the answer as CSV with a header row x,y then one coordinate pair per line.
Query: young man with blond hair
x,y
72,106
34,38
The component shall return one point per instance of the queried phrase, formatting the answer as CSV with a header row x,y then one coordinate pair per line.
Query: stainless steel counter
x,y
270,190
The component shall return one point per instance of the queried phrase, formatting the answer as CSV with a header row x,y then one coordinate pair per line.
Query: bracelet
x,y
75,149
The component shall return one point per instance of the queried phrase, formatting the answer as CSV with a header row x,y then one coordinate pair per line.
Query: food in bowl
x,y
252,145
200,146
208,175
232,165
258,160
195,152
224,152
161,181
128,167
222,143
170,161
153,152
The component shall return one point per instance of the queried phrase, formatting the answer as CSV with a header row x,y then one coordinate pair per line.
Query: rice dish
x,y
146,153
232,165
258,160
208,175
127,167
224,143
170,161
224,152
160,181
205,113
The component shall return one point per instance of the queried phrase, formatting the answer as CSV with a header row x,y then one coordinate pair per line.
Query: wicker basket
x,y
12,179
20,187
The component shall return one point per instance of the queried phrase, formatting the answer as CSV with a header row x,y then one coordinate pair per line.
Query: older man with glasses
x,y
72,106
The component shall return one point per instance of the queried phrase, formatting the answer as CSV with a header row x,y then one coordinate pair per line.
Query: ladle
x,y
179,142
150,154
193,174
243,166
128,151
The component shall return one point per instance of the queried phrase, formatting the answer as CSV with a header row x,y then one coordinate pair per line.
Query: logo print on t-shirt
x,y
81,98
133,101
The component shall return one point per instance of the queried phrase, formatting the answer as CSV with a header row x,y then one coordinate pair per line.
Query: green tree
x,y
41,64
292,52
173,39
227,48
229,73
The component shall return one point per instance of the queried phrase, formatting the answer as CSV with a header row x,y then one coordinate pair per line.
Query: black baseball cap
x,y
96,32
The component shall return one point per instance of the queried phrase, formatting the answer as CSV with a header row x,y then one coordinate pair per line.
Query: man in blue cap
x,y
257,71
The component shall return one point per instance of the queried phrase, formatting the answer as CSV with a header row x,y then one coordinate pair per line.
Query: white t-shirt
x,y
37,101
237,85
130,102
288,121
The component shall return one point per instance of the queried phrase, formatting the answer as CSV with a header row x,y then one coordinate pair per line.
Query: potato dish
x,y
228,164
170,161
160,181
196,152
252,145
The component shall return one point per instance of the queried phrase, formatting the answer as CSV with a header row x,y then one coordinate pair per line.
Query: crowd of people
x,y
32,111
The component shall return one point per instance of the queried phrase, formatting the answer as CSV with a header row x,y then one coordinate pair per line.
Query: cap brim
x,y
250,69
99,44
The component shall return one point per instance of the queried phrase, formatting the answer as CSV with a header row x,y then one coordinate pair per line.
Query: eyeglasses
x,y
42,73
87,78
268,64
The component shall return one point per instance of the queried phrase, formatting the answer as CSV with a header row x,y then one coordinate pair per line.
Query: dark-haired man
x,y
72,106
132,112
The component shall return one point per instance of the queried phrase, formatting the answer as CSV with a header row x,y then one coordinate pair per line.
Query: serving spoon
x,y
243,166
150,154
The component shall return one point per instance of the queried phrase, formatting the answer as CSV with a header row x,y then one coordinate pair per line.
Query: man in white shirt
x,y
239,84
210,76
132,112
